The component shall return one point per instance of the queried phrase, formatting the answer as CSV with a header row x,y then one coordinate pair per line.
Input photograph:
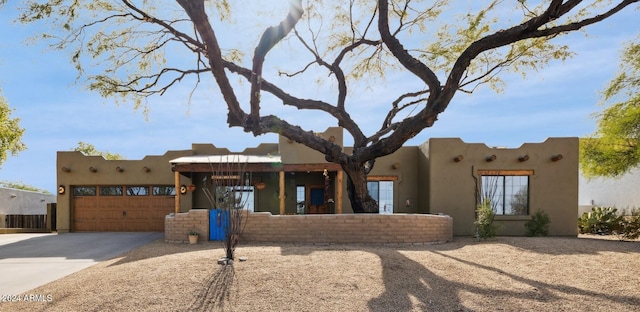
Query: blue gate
x,y
218,224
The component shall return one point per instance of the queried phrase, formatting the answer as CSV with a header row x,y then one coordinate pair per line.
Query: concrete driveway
x,y
31,260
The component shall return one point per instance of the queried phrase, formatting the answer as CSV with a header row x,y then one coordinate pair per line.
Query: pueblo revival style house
x,y
443,176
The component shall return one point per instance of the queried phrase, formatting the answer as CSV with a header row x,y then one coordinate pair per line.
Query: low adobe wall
x,y
326,228
178,225
348,228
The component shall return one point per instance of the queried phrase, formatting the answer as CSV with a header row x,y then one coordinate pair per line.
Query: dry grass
x,y
503,274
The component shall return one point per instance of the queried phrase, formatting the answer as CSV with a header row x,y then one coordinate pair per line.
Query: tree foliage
x,y
615,147
90,150
10,132
142,48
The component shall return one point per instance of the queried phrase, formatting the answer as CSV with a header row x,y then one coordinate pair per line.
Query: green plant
x,y
630,225
600,220
192,232
484,222
538,225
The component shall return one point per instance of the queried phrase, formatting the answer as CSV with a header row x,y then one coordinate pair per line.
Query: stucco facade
x,y
77,170
295,179
551,168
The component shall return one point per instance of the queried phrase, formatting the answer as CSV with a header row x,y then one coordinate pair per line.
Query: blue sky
x,y
40,85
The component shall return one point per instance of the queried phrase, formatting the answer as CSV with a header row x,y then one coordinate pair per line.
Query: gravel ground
x,y
502,274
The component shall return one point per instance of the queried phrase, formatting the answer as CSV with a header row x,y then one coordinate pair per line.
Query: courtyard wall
x,y
327,228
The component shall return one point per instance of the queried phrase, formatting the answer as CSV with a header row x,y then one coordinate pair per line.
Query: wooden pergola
x,y
251,163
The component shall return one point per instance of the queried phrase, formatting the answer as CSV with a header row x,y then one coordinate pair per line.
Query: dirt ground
x,y
588,273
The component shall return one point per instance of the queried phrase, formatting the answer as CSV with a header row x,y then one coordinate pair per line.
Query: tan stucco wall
x,y
296,153
133,174
553,187
423,180
403,165
210,149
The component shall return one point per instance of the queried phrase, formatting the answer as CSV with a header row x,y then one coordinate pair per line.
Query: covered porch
x,y
270,185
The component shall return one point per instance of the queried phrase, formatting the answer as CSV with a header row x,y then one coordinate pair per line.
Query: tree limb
x,y
269,39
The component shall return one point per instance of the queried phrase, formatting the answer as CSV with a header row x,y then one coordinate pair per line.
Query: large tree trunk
x,y
361,201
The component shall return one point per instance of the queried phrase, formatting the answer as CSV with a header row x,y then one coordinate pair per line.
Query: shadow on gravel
x,y
168,249
410,285
412,280
582,245
215,290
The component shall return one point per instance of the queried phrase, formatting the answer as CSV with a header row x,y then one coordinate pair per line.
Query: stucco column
x,y
176,181
281,194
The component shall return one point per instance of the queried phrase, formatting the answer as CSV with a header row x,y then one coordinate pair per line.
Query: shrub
x,y
630,225
484,224
538,225
600,220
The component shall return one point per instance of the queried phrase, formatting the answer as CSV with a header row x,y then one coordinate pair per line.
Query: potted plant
x,y
191,188
193,237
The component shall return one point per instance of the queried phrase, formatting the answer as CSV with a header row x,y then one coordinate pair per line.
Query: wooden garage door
x,y
121,208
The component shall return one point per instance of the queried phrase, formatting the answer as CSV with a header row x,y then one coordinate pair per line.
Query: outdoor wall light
x,y
556,157
395,165
66,169
458,158
523,158
146,169
183,189
119,169
92,169
490,158
61,189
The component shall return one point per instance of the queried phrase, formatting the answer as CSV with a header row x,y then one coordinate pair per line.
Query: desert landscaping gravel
x,y
502,274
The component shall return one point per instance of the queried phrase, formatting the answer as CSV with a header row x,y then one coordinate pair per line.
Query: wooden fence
x,y
26,221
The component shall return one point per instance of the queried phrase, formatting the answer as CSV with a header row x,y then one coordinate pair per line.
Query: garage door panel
x,y
137,226
121,213
86,225
109,214
138,215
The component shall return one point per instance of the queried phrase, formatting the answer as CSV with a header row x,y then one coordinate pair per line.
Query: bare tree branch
x,y
195,10
269,39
